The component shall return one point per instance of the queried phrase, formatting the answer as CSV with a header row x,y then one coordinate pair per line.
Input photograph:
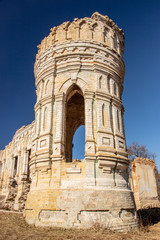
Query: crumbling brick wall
x,y
144,183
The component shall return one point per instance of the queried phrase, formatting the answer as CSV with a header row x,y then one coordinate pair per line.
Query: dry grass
x,y
13,226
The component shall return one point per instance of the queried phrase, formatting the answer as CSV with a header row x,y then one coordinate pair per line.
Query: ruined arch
x,y
70,28
95,31
74,117
83,30
83,85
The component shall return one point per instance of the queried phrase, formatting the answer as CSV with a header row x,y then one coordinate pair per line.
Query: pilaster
x,y
58,145
25,164
90,156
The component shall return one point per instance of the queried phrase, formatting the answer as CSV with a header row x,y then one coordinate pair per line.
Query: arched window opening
x,y
108,83
74,118
83,30
115,89
106,35
15,166
45,119
104,116
42,88
78,143
118,121
95,32
28,169
111,115
122,123
100,82
47,87
115,42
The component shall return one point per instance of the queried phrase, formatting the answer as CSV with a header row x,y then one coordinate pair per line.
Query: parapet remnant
x,y
79,73
145,183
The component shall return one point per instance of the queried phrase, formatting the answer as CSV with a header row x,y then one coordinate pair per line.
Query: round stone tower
x,y
79,72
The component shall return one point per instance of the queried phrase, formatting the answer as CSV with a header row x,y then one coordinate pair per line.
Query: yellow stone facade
x,y
79,73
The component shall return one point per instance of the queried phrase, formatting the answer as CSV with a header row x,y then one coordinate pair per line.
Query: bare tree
x,y
137,150
153,156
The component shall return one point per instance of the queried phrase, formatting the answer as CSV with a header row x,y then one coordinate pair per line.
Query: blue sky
x,y
23,24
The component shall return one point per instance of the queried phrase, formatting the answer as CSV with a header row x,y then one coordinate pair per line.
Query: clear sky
x,y
24,23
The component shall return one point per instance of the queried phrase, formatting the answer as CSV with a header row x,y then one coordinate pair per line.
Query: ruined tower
x,y
79,72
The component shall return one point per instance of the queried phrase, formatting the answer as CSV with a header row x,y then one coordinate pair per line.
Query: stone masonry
x,y
79,73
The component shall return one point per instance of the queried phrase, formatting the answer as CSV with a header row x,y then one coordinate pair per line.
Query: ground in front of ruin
x,y
13,226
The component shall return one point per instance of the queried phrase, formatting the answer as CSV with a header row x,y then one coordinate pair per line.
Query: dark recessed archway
x,y
74,117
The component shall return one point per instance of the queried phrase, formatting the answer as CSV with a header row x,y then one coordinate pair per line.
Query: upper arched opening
x,y
73,89
74,117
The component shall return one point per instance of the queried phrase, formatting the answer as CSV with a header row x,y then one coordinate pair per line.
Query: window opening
x,y
108,83
15,166
28,170
115,42
115,89
118,122
47,87
103,115
45,119
100,82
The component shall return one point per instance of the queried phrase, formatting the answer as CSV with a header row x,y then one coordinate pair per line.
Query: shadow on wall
x,y
149,216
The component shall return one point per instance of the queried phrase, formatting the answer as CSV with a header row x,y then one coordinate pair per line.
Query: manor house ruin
x,y
79,73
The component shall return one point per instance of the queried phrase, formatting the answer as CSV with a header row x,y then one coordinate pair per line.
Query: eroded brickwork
x,y
15,178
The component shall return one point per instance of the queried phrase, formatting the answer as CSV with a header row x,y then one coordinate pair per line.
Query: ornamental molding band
x,y
79,73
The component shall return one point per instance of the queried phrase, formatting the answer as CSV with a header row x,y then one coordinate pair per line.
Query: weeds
x,y
13,227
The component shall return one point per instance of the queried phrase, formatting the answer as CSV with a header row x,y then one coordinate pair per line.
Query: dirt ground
x,y
13,226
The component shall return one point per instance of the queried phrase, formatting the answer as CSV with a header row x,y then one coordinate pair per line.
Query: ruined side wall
x,y
158,182
14,159
144,183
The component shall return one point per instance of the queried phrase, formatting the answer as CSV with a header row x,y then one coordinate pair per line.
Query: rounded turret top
x,y
98,29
